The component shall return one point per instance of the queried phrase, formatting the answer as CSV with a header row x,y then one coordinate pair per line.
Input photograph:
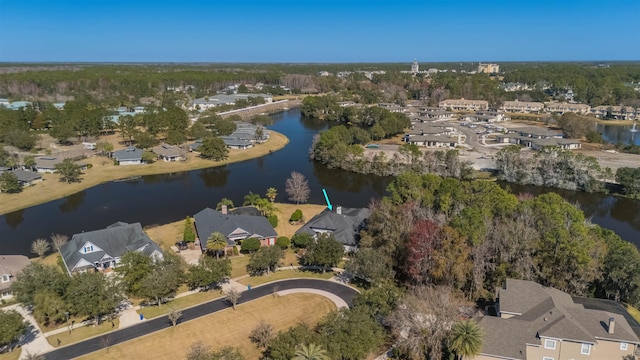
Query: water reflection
x,y
14,219
313,124
73,202
616,134
215,177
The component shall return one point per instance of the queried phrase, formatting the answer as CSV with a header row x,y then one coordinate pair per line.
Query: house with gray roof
x,y
539,322
10,266
26,178
128,156
101,250
234,227
343,223
170,153
233,142
47,164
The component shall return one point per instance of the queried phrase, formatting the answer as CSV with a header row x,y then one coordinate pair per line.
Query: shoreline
x,y
103,171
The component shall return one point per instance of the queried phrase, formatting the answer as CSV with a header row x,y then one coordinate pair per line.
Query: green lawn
x,y
179,303
238,265
81,333
285,274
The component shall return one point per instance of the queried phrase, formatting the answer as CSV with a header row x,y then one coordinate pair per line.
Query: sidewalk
x,y
34,342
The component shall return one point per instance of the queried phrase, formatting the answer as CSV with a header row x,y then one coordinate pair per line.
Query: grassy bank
x,y
104,170
231,328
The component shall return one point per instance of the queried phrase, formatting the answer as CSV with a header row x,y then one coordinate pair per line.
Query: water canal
x,y
159,199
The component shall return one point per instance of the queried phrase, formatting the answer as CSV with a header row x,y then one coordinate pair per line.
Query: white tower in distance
x,y
414,66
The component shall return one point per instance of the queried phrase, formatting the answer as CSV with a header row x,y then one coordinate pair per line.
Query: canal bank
x,y
161,199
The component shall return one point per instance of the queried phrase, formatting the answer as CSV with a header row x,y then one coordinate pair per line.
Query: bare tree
x,y
261,334
232,296
199,351
174,315
40,247
423,321
297,188
58,240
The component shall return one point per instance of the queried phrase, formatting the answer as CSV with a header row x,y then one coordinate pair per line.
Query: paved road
x,y
346,293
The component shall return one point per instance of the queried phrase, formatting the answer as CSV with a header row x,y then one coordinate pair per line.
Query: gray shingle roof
x,y
128,154
234,141
345,227
11,265
114,241
169,151
545,312
209,221
25,176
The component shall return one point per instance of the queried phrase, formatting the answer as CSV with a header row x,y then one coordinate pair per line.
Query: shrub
x,y
235,251
296,216
250,245
283,242
302,240
189,235
60,263
273,220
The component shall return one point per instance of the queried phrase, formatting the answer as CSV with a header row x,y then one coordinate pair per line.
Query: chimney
x,y
612,325
223,210
339,210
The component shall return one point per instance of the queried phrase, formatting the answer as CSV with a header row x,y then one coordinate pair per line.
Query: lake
x,y
159,199
615,134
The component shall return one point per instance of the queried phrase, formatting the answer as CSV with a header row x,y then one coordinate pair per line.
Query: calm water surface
x,y
158,199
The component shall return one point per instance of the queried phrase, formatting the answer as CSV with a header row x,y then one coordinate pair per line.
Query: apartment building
x,y
528,107
464,105
564,107
488,68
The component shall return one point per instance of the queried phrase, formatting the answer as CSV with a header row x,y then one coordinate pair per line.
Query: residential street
x,y
344,292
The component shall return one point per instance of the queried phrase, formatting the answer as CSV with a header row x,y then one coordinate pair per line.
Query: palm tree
x,y
216,242
466,338
311,352
271,194
251,199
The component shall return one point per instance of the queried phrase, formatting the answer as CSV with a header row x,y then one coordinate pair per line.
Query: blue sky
x,y
319,31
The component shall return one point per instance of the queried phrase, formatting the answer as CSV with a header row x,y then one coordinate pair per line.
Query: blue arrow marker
x,y
326,197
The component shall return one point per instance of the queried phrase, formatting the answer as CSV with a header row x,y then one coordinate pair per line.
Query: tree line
x,y
551,166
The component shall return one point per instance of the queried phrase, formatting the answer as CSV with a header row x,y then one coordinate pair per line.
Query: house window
x,y
624,346
547,358
549,344
88,249
5,278
585,349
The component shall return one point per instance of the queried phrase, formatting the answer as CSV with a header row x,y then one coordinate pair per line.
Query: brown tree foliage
x,y
423,320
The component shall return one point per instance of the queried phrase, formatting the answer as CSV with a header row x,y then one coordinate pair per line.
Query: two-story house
x,y
536,322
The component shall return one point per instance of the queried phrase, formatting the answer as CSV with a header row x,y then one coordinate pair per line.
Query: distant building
x,y
488,68
208,102
464,105
564,107
415,68
615,112
15,105
522,107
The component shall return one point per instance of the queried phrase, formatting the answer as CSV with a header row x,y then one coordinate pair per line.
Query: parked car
x,y
182,245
